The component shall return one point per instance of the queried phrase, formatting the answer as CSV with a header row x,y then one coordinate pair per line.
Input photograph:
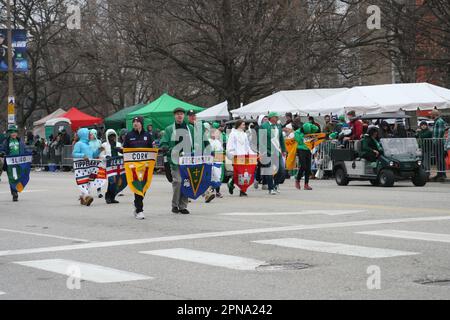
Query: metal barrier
x,y
435,155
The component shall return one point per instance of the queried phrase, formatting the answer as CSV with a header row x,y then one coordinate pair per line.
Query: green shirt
x,y
439,128
14,147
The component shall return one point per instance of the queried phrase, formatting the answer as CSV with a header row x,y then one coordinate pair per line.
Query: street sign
x,y
11,110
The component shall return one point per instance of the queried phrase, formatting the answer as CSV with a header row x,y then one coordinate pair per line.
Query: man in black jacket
x,y
138,138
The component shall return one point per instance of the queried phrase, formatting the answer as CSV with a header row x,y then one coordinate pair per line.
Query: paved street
x,y
355,242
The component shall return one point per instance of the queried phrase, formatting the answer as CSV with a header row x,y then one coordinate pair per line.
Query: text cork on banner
x,y
139,166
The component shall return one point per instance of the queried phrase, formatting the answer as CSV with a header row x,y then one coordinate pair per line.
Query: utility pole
x,y
11,98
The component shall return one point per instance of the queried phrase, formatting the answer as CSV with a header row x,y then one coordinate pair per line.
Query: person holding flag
x,y
82,150
304,154
12,147
111,149
136,139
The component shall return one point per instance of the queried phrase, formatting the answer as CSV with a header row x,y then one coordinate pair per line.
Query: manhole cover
x,y
436,282
283,266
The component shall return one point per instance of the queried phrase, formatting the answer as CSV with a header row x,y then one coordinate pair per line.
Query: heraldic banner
x,y
139,166
115,172
89,174
291,147
244,168
195,172
313,140
218,169
18,170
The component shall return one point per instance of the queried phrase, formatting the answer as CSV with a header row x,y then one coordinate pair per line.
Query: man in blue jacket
x,y
138,138
82,150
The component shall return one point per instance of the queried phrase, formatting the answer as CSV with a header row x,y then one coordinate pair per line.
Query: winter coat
x,y
107,146
82,149
238,144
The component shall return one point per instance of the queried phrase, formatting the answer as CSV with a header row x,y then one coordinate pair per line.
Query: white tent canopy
x,y
39,125
383,98
285,101
215,113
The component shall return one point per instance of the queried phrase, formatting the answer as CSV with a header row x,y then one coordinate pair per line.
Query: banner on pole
x,y
19,50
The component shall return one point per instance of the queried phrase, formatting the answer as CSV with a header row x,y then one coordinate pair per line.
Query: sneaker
x,y
243,194
297,185
139,216
265,187
184,211
277,189
88,200
15,197
219,195
175,210
307,187
82,201
210,197
256,184
100,195
109,201
272,192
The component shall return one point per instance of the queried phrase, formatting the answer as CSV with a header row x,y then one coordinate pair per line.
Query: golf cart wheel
x,y
420,179
341,177
386,178
375,183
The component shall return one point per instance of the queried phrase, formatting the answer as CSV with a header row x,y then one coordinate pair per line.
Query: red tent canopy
x,y
80,119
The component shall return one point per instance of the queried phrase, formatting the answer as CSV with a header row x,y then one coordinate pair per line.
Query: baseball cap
x,y
191,113
273,114
138,119
178,110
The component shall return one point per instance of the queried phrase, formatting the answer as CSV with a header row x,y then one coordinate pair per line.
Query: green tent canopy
x,y
159,113
118,120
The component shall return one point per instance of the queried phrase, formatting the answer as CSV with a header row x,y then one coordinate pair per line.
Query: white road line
x,y
304,212
43,235
219,234
401,234
2,293
337,248
85,271
26,191
208,258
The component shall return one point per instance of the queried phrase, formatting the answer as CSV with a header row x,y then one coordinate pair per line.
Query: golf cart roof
x,y
384,116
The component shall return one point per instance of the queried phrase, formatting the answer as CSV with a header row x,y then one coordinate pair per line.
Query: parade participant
x,y
82,150
168,143
371,149
95,144
385,130
111,148
304,154
258,177
423,132
438,136
238,145
289,119
313,121
356,125
273,151
13,146
138,138
203,129
217,149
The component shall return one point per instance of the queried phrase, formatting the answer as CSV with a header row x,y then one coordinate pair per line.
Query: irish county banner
x,y
18,170
195,175
139,166
115,172
313,140
89,174
244,168
218,170
291,147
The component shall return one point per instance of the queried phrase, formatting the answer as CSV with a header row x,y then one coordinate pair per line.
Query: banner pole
x,y
11,98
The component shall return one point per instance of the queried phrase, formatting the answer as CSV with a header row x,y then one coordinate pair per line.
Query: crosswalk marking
x,y
107,244
89,272
2,293
208,258
402,234
337,248
303,212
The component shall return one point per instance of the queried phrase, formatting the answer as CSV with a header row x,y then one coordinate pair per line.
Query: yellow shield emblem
x,y
139,165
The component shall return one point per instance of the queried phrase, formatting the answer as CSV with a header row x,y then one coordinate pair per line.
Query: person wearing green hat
x,y
273,151
304,154
12,146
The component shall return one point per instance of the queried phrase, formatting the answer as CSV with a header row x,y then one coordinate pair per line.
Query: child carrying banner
x,y
17,163
86,168
115,170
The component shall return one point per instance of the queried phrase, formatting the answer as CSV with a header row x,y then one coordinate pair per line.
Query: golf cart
x,y
402,160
